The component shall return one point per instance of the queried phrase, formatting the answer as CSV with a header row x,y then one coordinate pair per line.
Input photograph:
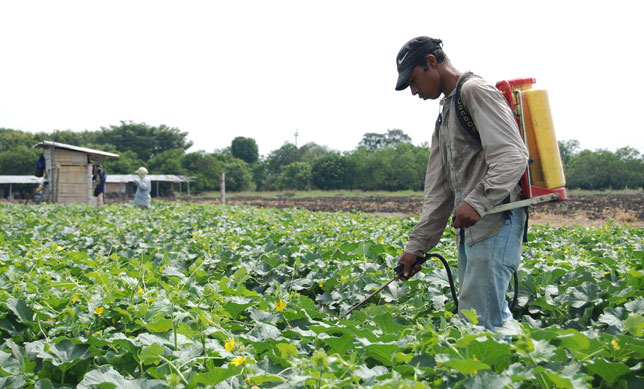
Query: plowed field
x,y
578,209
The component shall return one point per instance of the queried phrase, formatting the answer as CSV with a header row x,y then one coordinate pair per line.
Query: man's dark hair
x,y
437,52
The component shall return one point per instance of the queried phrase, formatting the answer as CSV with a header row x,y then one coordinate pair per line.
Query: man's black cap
x,y
410,54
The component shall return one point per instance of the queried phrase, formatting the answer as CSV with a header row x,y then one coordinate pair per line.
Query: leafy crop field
x,y
190,295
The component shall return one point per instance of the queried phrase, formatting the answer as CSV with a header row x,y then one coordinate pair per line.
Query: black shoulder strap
x,y
462,113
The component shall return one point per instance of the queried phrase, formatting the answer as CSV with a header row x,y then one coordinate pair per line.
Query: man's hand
x,y
466,216
407,260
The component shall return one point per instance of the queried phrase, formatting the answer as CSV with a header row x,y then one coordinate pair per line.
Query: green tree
x,y
568,150
278,159
146,141
330,171
127,163
10,139
245,149
239,176
592,170
311,151
204,168
19,160
392,168
374,141
167,162
297,175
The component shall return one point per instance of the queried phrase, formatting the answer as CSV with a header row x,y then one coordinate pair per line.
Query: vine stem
x,y
166,360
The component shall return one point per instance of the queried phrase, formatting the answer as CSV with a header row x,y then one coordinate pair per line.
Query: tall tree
x,y
330,171
245,149
568,149
374,141
146,141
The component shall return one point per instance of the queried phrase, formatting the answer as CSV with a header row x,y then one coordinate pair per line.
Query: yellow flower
x,y
321,285
566,250
74,299
230,345
98,311
280,305
60,248
381,239
238,361
140,291
161,230
343,278
615,345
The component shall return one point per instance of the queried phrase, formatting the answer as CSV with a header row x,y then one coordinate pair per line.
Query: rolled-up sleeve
x,y
437,205
504,151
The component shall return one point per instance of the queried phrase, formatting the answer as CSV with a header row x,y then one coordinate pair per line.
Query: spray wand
x,y
398,270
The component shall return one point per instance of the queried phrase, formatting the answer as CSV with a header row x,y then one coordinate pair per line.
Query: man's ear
x,y
431,61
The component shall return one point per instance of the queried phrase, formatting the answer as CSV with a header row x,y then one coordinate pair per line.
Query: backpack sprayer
x,y
543,181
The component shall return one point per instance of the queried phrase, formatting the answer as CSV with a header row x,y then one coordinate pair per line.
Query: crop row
x,y
191,295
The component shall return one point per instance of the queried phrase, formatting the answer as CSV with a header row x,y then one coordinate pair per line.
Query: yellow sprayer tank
x,y
533,112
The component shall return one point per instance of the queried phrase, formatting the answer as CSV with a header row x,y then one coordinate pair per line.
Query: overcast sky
x,y
264,69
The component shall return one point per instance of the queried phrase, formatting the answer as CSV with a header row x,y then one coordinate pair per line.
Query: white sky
x,y
262,69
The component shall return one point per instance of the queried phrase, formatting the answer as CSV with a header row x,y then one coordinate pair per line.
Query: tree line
x,y
381,161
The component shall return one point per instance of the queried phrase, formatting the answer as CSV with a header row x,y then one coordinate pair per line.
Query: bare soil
x,y
595,209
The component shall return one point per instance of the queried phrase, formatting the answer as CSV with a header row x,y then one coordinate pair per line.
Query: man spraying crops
x,y
474,165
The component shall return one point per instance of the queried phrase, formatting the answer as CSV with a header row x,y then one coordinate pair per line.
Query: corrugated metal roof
x,y
125,178
21,180
47,143
111,178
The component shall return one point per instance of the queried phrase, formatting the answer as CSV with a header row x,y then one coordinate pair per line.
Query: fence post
x,y
222,185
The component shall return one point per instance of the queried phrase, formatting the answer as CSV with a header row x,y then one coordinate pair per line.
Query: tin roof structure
x,y
20,180
91,152
125,178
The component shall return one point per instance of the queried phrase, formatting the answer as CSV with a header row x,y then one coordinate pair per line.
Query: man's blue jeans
x,y
485,270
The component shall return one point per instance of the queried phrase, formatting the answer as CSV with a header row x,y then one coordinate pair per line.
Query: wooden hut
x,y
69,171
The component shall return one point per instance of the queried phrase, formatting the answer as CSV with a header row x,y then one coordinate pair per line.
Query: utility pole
x,y
296,158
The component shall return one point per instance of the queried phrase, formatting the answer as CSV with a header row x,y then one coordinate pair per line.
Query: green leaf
x,y
573,340
286,350
582,295
634,324
387,324
381,352
214,376
559,381
470,315
466,366
235,309
150,354
20,309
264,378
107,375
609,371
491,353
265,331
613,317
635,306
64,353
340,345
12,382
159,325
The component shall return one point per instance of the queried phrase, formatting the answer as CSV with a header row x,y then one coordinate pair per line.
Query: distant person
x,y
143,186
99,191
